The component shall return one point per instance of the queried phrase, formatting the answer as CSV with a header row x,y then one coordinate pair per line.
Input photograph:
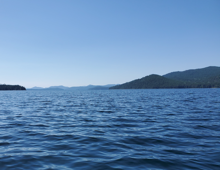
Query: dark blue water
x,y
115,129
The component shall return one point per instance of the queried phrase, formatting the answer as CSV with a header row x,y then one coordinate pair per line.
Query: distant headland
x,y
11,87
208,77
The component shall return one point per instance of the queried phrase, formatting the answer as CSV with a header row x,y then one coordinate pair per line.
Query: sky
x,y
99,42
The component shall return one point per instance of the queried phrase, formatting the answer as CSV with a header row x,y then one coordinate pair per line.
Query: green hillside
x,y
150,82
208,77
205,77
195,74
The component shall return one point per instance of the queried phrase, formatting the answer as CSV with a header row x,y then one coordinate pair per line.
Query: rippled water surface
x,y
112,129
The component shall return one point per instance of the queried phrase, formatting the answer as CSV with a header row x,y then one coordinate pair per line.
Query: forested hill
x,y
195,74
208,77
11,87
150,82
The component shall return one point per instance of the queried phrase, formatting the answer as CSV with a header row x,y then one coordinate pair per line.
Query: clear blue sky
x,y
74,43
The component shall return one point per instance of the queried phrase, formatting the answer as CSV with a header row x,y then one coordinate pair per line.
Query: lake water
x,y
112,129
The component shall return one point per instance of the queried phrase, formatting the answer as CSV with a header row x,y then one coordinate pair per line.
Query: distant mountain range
x,y
208,77
89,87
